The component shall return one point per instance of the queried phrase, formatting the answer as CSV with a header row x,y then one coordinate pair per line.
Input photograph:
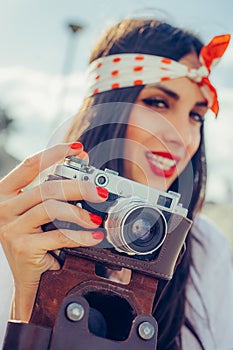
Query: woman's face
x,y
164,130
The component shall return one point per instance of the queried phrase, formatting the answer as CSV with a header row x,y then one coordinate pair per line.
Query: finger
x,y
64,190
58,239
84,155
29,169
51,209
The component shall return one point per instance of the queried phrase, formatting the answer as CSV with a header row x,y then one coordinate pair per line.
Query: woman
x,y
148,93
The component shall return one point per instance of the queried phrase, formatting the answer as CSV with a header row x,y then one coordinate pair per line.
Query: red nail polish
x,y
98,235
96,219
76,145
102,192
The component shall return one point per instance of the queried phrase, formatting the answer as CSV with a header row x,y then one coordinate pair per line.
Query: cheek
x,y
129,135
196,142
134,133
144,121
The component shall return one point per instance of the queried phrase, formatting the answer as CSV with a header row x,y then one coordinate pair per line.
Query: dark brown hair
x,y
95,125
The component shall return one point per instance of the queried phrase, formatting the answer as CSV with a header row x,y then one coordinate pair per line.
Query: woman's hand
x,y
22,212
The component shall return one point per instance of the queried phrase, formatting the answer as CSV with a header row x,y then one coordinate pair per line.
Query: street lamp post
x,y
74,29
69,59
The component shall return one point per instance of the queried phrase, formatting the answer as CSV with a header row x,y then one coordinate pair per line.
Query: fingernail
x,y
98,235
102,192
76,145
96,219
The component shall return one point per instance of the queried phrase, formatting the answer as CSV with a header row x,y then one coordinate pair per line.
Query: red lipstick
x,y
162,163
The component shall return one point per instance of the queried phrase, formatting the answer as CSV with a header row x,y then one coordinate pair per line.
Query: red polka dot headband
x,y
125,70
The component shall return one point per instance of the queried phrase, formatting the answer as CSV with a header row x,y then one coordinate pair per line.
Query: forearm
x,y
22,303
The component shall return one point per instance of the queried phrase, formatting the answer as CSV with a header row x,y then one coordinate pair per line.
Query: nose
x,y
179,132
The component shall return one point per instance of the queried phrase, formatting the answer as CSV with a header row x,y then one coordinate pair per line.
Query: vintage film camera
x,y
137,220
77,308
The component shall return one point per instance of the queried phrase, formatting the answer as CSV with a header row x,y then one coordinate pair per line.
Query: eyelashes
x,y
155,102
197,118
161,103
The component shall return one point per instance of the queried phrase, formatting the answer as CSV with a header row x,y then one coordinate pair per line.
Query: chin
x,y
160,185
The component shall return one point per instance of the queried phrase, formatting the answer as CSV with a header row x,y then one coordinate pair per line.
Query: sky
x,y
42,66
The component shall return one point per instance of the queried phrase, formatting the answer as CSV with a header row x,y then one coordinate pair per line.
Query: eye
x,y
155,102
196,117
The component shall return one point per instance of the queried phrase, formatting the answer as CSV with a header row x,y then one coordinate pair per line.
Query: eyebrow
x,y
165,90
174,95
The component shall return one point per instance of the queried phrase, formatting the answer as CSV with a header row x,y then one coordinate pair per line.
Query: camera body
x,y
141,224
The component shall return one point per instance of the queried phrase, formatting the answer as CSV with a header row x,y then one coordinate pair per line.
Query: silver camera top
x,y
78,169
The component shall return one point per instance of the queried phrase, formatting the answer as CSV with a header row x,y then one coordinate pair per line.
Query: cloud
x,y
39,92
38,102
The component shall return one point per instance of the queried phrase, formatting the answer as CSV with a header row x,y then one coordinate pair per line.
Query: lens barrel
x,y
135,227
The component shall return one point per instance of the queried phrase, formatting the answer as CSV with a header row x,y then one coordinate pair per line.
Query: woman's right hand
x,y
23,211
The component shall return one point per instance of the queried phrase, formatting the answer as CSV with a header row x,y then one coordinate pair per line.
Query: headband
x,y
132,69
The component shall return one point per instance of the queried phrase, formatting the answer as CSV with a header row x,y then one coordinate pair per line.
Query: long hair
x,y
104,117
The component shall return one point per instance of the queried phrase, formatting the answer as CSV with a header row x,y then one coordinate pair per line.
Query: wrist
x,y
22,303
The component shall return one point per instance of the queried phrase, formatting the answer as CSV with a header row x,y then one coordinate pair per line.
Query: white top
x,y
214,278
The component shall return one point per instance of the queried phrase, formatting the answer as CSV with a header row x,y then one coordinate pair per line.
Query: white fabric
x,y
153,68
124,70
214,278
215,281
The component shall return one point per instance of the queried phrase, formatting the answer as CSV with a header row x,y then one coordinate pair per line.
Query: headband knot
x,y
197,74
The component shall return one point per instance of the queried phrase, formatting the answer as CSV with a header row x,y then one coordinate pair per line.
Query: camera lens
x,y
144,230
134,227
141,229
101,180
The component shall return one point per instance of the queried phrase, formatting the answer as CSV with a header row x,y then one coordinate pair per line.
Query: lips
x,y
162,163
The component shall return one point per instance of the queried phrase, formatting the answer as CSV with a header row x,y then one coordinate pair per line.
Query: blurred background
x,y
44,51
45,46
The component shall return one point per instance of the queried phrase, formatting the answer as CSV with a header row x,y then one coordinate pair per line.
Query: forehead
x,y
190,60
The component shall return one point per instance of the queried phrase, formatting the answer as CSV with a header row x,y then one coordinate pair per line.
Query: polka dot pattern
x,y
127,70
